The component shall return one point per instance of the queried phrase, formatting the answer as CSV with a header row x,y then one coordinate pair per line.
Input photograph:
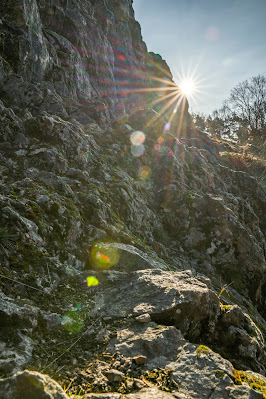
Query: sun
x,y
192,84
187,87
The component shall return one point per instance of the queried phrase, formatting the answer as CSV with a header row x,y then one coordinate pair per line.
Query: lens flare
x,y
212,33
145,172
92,281
73,321
137,138
157,147
138,150
102,256
167,126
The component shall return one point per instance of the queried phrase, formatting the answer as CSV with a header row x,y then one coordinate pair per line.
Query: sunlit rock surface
x,y
30,385
124,233
169,297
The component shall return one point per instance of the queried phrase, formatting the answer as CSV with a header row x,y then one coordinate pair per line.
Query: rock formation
x,y
132,253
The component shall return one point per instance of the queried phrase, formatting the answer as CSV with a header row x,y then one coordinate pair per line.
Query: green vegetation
x,y
242,116
7,241
160,235
220,374
76,395
256,383
224,289
189,196
28,253
225,308
202,349
162,378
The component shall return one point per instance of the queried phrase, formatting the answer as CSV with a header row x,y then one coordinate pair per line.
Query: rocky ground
x,y
132,266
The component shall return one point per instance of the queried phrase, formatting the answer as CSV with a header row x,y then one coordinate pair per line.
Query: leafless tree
x,y
248,102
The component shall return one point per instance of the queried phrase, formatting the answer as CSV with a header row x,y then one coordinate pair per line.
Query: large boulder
x,y
30,385
204,374
171,298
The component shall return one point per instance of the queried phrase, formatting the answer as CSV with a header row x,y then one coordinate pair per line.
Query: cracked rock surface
x,y
124,272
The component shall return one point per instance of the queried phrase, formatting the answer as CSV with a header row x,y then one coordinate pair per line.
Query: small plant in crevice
x,y
225,308
7,241
76,395
224,289
162,378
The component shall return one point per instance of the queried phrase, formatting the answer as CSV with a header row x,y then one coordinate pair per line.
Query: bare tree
x,y
248,102
242,116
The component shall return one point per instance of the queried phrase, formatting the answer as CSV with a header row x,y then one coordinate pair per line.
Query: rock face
x,y
48,45
132,254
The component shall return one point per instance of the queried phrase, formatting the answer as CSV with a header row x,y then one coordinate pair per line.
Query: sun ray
x,y
162,111
150,89
163,98
178,132
190,78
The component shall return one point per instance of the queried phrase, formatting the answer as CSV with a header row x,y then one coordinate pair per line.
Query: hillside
x,y
132,264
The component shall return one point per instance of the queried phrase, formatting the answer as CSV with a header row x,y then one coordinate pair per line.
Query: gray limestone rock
x,y
171,298
115,376
17,323
102,396
30,385
145,393
201,373
241,338
70,181
148,393
159,344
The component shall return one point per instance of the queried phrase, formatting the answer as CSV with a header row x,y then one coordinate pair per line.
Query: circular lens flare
x,y
73,321
137,150
102,256
137,138
145,172
92,281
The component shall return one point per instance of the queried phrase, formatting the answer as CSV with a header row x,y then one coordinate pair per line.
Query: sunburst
x,y
191,84
187,87
168,95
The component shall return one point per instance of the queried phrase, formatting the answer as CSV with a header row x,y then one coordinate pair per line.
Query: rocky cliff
x,y
132,250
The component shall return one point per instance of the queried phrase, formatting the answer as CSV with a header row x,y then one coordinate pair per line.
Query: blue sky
x,y
222,41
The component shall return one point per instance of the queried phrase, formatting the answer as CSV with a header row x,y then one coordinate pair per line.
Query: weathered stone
x,y
138,384
115,375
241,339
143,318
148,393
102,396
175,298
139,360
17,347
30,385
159,344
200,373
69,179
